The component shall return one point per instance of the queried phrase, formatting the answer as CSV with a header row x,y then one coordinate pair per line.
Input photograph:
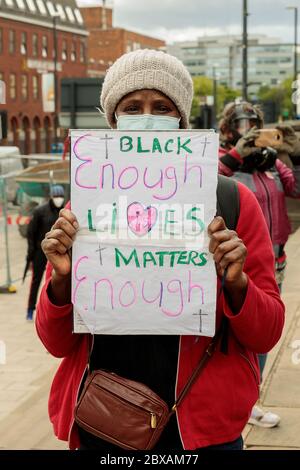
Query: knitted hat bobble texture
x,y
147,69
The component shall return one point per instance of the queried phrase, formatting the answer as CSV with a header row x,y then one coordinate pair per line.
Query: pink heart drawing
x,y
141,220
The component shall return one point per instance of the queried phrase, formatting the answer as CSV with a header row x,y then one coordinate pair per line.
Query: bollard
x,y
8,287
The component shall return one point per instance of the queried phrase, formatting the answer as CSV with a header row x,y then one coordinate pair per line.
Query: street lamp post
x,y
245,51
54,18
215,96
295,9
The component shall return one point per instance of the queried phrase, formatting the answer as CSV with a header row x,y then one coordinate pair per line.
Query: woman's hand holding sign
x,y
56,246
229,254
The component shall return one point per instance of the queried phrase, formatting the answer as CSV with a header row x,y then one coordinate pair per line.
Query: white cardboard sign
x,y
140,262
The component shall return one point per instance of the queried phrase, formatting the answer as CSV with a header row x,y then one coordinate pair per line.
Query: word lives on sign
x,y
140,262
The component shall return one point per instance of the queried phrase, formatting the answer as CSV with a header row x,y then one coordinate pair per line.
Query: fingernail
x,y
75,225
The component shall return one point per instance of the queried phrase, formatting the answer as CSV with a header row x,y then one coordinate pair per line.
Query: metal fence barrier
x,y
7,287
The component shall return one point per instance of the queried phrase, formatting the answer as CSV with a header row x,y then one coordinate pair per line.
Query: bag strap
x,y
200,366
228,206
228,201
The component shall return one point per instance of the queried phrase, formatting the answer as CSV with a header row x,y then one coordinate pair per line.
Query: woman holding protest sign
x,y
148,89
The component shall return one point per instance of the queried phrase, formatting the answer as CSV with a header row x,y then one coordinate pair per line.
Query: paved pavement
x,y
26,376
281,387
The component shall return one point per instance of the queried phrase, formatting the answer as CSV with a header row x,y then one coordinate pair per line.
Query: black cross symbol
x,y
100,254
200,317
106,138
204,145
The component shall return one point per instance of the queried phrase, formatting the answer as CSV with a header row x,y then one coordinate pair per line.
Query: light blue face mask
x,y
137,122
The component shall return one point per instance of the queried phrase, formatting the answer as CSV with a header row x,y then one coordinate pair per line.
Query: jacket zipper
x,y
251,367
177,372
83,374
269,203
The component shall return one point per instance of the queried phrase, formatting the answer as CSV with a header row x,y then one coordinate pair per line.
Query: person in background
x,y
42,220
270,180
149,89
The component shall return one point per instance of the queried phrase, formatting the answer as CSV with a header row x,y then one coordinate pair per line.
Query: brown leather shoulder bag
x,y
128,413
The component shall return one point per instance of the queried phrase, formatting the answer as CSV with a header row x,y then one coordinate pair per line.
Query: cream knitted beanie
x,y
147,69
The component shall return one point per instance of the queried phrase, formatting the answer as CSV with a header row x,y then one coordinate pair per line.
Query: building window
x,y
41,7
24,87
51,8
31,5
2,89
61,11
23,46
35,87
64,51
1,40
20,4
78,16
35,45
12,41
12,86
45,46
82,52
70,14
73,52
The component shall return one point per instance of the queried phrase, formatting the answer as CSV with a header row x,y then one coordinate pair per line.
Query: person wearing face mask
x,y
41,222
270,180
148,89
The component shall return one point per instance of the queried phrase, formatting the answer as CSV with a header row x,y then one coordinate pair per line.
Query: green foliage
x,y
203,86
281,95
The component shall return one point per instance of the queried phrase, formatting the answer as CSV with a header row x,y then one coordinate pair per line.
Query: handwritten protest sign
x,y
140,262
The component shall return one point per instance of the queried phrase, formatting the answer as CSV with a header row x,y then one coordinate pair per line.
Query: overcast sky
x,y
175,20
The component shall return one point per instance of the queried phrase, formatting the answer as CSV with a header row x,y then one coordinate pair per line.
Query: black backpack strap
x,y
228,206
228,201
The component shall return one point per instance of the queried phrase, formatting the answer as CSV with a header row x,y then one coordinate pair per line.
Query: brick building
x,y
106,43
30,32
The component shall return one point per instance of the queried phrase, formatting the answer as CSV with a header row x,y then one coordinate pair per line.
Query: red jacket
x,y
217,407
270,188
